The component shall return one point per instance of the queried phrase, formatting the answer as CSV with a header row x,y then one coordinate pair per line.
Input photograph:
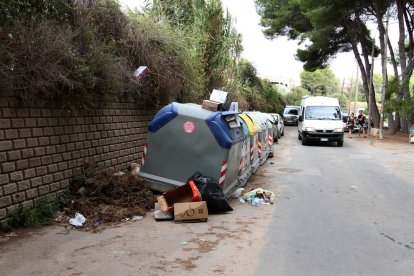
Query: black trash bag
x,y
211,193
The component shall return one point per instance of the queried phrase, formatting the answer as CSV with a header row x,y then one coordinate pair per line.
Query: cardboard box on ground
x,y
185,202
190,212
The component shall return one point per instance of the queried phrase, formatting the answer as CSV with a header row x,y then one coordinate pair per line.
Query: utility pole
x,y
356,91
384,76
350,94
342,90
371,84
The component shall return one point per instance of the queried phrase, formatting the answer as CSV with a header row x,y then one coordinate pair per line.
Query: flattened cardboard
x,y
190,212
211,105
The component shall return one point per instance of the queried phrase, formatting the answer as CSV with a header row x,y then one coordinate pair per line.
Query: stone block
x,y
5,145
37,181
23,185
56,158
25,133
4,178
22,112
37,132
54,187
34,112
47,179
9,188
43,189
64,139
3,157
22,164
9,112
39,151
14,155
41,170
48,131
11,133
7,167
5,123
62,166
46,160
5,201
58,176
32,193
46,112
43,141
30,122
17,123
18,197
54,140
52,168
35,162
61,148
50,150
27,153
29,173
32,142
16,176
19,144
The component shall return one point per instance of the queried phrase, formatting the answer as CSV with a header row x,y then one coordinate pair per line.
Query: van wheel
x,y
340,143
299,137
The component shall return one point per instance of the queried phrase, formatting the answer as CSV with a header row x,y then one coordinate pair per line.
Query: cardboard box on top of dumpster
x,y
185,193
211,105
221,97
190,212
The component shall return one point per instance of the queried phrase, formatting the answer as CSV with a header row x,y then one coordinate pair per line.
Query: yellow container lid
x,y
251,124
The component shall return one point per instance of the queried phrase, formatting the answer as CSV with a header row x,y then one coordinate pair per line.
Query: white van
x,y
320,120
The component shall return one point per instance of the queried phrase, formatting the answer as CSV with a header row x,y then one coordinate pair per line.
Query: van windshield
x,y
322,113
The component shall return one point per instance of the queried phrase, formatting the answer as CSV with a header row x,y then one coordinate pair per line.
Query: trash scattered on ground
x,y
271,163
161,215
184,243
238,193
212,193
78,220
190,212
354,187
241,200
11,234
137,218
133,169
259,196
119,173
108,198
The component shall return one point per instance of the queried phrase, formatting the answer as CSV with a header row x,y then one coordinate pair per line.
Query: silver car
x,y
280,125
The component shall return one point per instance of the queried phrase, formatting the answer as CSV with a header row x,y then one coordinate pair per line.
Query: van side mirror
x,y
300,118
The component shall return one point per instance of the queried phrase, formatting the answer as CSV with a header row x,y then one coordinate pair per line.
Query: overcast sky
x,y
275,59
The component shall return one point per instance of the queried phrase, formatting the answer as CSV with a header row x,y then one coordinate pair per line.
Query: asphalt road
x,y
342,211
339,211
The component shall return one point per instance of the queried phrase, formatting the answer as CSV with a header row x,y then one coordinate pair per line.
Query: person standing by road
x,y
351,123
362,123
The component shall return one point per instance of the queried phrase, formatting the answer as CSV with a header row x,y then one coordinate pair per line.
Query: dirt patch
x,y
104,197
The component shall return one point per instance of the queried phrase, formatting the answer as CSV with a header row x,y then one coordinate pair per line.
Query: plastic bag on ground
x,y
78,220
212,193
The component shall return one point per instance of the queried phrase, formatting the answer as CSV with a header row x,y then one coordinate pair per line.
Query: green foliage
x,y
294,97
320,82
41,214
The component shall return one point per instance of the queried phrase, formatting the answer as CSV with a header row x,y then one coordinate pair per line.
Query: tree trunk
x,y
403,62
391,123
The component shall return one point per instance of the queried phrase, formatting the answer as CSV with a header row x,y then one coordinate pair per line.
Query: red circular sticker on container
x,y
189,127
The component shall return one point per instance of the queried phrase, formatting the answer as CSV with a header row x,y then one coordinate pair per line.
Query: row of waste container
x,y
227,146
